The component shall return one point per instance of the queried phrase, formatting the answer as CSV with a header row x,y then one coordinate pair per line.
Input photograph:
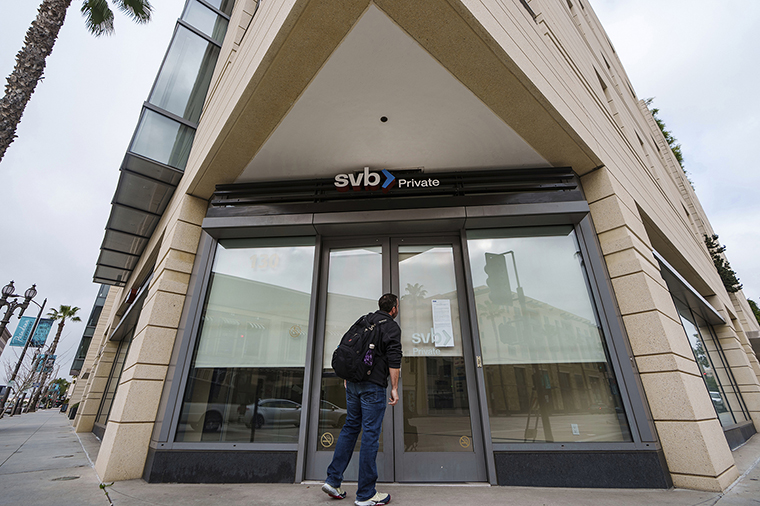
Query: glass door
x,y
436,436
355,275
432,434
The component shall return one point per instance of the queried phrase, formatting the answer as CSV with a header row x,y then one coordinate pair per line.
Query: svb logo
x,y
365,180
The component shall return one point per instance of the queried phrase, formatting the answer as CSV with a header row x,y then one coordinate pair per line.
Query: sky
x,y
57,179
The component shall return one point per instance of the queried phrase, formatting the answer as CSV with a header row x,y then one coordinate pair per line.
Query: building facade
x,y
562,321
89,331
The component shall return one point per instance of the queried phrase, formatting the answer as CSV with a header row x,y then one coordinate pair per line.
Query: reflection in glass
x,y
709,357
205,20
546,370
724,374
347,300
223,5
184,79
434,385
246,379
113,379
162,139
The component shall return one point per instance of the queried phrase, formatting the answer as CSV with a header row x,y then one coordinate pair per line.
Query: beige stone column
x,y
691,436
741,331
125,443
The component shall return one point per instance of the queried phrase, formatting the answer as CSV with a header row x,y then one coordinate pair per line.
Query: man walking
x,y
366,407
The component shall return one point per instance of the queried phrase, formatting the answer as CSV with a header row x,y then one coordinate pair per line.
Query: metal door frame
x,y
421,467
391,464
317,461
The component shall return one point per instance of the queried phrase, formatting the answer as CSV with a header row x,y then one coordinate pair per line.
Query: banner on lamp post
x,y
45,363
24,328
49,363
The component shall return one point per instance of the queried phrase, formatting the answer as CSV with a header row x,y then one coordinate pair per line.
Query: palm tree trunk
x,y
50,353
30,64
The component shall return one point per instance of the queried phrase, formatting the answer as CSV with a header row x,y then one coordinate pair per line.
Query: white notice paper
x,y
442,326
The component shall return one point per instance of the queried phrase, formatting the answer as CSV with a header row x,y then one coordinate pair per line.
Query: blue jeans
x,y
366,408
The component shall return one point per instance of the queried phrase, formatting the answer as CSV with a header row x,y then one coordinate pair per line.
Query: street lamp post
x,y
501,276
7,292
39,358
23,352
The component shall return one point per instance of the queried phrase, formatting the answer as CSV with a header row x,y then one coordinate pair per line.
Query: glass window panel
x,y
347,300
706,366
725,376
113,379
548,378
205,20
163,139
708,354
246,379
184,79
78,362
223,5
95,314
436,405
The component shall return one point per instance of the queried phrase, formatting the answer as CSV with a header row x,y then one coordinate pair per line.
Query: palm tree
x,y
415,293
62,314
416,296
38,44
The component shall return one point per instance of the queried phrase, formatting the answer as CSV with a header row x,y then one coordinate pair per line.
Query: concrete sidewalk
x,y
43,462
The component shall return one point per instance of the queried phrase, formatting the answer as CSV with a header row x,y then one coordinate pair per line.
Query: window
x,y
246,378
223,5
163,139
548,378
113,379
205,20
184,79
720,383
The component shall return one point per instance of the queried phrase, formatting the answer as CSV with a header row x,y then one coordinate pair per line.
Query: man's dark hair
x,y
387,302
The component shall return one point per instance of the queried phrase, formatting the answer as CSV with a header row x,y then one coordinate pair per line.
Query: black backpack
x,y
354,357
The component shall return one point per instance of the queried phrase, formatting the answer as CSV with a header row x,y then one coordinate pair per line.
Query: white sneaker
x,y
334,492
378,498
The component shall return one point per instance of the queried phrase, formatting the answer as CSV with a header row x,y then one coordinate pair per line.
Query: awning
x,y
142,195
680,288
160,146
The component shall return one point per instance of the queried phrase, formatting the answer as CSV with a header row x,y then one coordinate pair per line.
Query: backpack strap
x,y
377,344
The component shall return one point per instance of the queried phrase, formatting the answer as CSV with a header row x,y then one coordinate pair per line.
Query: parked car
x,y
208,417
273,411
717,401
330,414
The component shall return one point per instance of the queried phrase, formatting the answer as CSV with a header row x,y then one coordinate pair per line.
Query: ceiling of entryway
x,y
378,71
